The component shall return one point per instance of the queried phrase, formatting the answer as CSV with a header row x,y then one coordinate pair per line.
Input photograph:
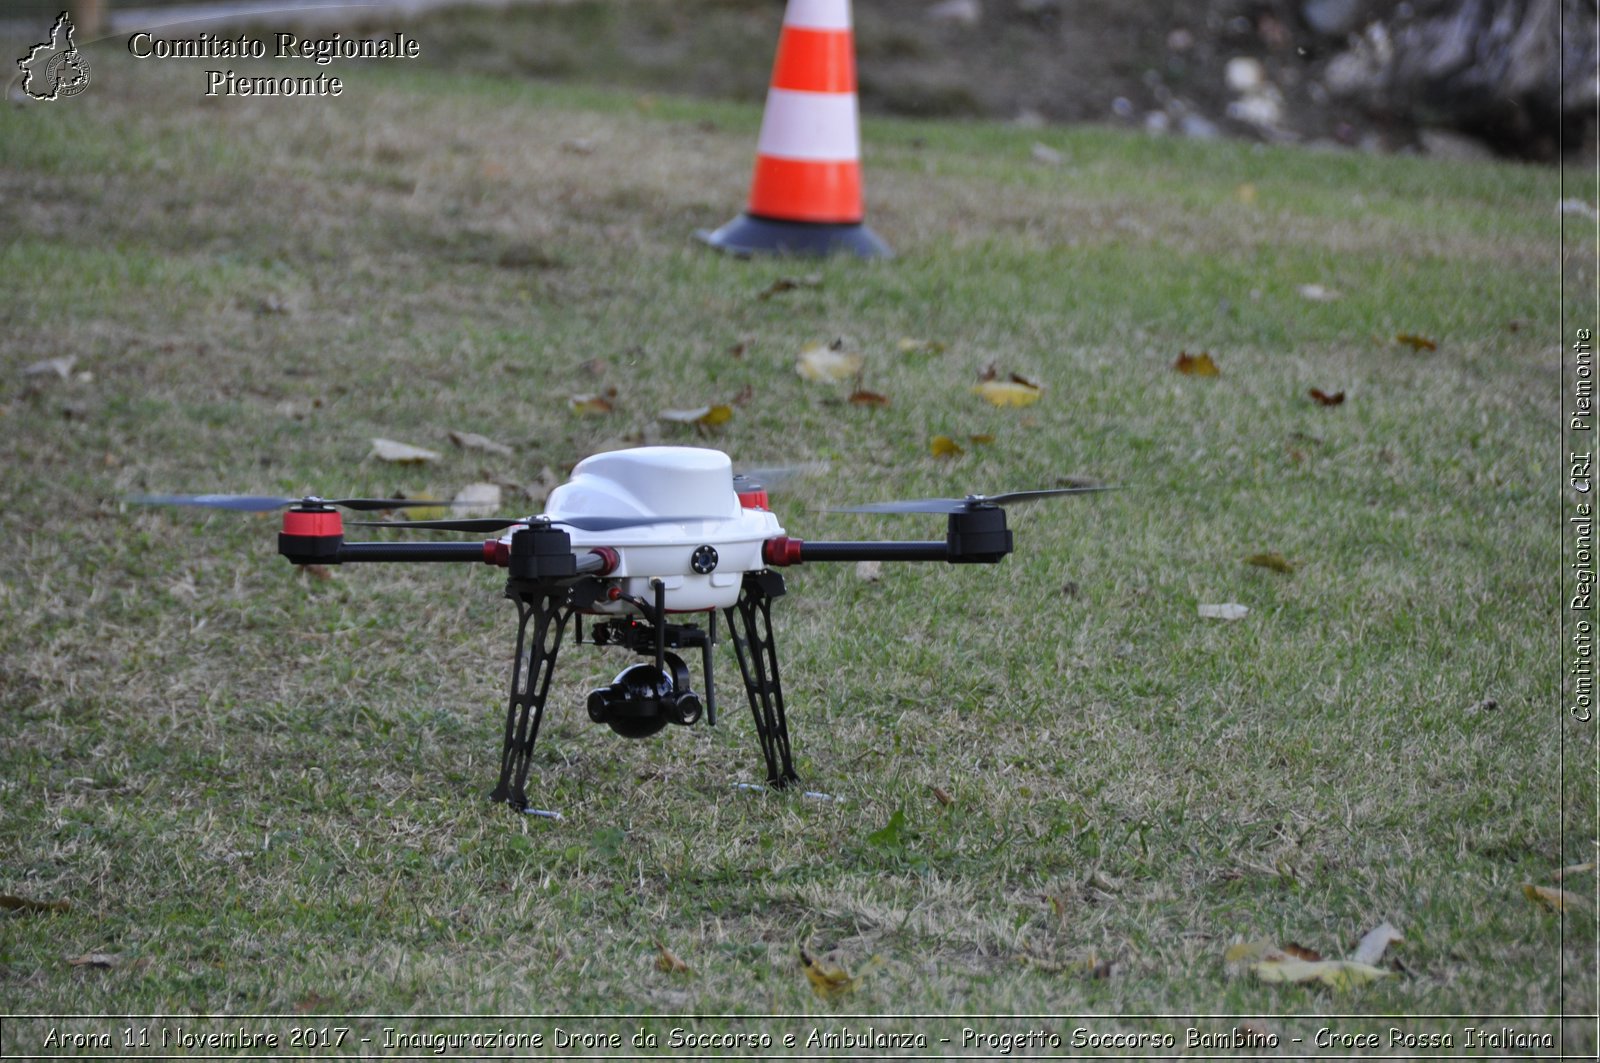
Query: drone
x,y
648,544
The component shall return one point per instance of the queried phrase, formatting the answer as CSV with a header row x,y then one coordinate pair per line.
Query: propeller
x,y
773,476
263,503
494,524
971,502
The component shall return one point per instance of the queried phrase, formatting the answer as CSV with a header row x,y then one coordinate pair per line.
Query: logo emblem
x,y
55,69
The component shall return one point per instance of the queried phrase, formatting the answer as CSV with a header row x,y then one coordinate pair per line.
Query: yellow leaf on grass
x,y
1008,393
827,364
1253,950
666,961
710,416
426,512
827,979
789,284
1552,899
912,345
1339,974
1276,562
1196,365
945,447
1416,342
591,405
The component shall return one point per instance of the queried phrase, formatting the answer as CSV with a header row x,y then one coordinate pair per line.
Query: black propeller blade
x,y
494,524
971,502
263,503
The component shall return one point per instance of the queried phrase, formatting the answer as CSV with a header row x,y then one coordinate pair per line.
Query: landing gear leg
x,y
530,683
750,621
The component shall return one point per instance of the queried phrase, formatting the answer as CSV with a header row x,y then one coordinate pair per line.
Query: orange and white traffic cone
x,y
805,197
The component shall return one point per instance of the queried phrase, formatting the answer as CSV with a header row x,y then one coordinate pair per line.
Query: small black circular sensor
x,y
704,560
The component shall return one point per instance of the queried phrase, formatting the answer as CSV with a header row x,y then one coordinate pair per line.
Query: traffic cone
x,y
805,196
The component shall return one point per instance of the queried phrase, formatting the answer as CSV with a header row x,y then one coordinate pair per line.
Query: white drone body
x,y
665,482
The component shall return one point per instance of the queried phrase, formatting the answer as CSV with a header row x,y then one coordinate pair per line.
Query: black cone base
x,y
749,235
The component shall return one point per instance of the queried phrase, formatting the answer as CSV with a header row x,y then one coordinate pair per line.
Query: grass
x,y
260,792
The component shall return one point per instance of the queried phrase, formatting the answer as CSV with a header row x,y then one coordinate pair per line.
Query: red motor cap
x,y
316,523
496,552
781,552
756,499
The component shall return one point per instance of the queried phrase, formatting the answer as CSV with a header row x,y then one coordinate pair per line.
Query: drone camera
x,y
643,699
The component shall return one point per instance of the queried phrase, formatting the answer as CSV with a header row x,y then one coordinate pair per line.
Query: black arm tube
x,y
349,552
588,561
932,550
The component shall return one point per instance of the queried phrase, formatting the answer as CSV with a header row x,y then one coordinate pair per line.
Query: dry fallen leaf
x,y
1009,393
1300,952
592,405
827,364
943,797
709,416
1416,342
11,903
1552,899
1245,193
61,367
912,345
402,453
1323,398
477,500
1575,869
980,439
1276,562
868,398
870,571
103,961
473,441
1196,365
1046,154
667,962
1375,943
1226,611
945,447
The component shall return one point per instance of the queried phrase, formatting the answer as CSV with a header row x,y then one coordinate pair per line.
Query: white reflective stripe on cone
x,y
810,126
818,14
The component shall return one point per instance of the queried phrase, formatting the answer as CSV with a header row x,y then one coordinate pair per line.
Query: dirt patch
x,y
1240,68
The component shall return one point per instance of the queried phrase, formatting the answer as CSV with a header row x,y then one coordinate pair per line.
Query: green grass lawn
x,y
263,792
